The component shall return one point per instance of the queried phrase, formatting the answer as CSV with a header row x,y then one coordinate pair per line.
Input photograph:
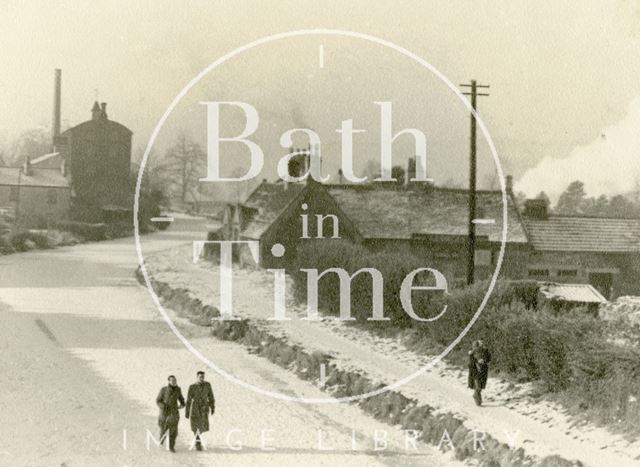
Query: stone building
x,y
87,177
427,222
95,159
603,252
431,224
34,197
93,162
97,156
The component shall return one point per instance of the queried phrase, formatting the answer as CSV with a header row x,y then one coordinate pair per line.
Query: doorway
x,y
603,282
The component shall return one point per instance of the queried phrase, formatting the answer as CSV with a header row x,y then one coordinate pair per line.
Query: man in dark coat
x,y
167,400
200,401
479,359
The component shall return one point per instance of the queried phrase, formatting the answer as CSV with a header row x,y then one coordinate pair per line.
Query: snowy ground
x,y
625,309
84,354
541,428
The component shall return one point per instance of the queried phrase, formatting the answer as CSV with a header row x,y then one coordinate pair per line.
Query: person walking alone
x,y
479,359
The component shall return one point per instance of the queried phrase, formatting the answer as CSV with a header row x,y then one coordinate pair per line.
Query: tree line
x,y
574,201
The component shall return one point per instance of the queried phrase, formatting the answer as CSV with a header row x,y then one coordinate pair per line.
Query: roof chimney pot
x,y
96,111
509,184
26,168
536,209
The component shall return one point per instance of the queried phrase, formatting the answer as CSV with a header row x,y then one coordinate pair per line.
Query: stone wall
x,y
625,268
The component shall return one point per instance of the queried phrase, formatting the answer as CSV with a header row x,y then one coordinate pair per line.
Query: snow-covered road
x,y
84,355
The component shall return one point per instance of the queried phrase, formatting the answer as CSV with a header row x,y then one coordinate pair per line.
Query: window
x,y
13,193
52,196
483,257
539,272
567,272
603,282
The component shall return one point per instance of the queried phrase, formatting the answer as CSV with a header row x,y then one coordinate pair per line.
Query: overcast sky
x,y
564,76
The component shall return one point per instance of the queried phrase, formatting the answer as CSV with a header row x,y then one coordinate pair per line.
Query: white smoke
x,y
609,165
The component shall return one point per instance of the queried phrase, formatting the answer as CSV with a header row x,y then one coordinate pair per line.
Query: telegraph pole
x,y
471,243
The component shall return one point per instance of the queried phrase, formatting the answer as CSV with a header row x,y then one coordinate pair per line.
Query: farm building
x,y
431,224
423,220
603,252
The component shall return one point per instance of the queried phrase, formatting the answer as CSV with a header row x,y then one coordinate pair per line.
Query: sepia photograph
x,y
330,233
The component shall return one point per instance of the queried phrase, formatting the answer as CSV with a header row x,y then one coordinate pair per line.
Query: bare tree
x,y
31,143
183,165
155,177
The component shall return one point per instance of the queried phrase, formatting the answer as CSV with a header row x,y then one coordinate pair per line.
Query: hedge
x,y
92,232
568,353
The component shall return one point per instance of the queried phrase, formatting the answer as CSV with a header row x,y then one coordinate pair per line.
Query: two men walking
x,y
200,401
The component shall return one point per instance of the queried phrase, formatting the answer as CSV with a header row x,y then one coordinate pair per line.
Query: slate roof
x,y
393,212
400,213
51,178
96,125
580,293
569,233
267,202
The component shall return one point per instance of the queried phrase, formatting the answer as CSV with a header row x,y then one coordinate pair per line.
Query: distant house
x,y
87,177
603,252
34,197
204,205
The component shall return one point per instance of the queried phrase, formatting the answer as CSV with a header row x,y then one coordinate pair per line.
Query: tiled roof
x,y
581,293
268,201
397,212
39,177
567,233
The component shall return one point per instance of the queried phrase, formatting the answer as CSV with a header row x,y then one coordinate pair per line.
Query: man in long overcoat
x,y
200,402
167,400
479,359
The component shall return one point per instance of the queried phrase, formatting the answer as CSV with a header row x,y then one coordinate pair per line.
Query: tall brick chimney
x,y
57,89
